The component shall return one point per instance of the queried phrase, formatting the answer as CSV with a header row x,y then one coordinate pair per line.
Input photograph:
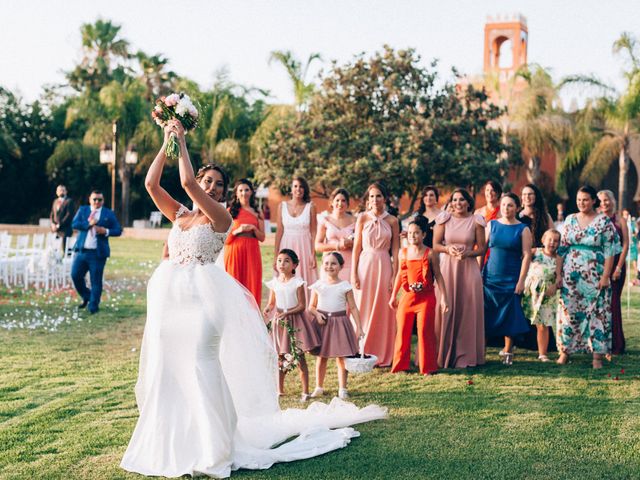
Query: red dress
x,y
420,307
242,259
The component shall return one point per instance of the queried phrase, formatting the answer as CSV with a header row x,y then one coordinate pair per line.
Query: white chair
x,y
155,219
37,243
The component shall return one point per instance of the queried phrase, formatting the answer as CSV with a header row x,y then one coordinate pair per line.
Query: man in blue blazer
x,y
96,224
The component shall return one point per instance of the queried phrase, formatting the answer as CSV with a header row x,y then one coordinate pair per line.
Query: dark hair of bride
x,y
235,206
225,178
292,255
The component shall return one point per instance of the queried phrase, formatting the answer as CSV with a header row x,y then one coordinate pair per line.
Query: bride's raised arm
x,y
165,202
214,210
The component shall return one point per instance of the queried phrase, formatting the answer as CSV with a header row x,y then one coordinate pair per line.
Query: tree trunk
x,y
125,181
623,177
533,169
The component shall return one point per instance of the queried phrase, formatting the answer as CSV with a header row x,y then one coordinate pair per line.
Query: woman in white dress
x,y
207,386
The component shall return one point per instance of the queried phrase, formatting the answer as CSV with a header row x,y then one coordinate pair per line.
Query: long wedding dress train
x,y
207,386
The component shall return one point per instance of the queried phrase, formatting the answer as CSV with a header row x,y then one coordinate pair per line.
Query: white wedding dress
x,y
207,386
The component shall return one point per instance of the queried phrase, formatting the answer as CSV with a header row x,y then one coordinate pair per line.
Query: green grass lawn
x,y
67,405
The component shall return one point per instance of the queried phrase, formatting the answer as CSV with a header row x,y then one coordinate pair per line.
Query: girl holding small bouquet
x,y
329,300
540,299
293,333
419,266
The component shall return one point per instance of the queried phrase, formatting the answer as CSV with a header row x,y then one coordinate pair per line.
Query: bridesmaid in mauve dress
x,y
336,231
460,332
373,271
297,230
242,258
619,275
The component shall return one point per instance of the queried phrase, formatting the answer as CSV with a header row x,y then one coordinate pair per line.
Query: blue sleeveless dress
x,y
503,315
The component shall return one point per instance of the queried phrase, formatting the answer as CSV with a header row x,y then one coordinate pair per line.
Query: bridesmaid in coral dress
x,y
336,231
296,230
242,259
460,332
373,271
491,209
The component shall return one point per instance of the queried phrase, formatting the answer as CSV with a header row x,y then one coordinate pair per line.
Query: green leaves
x,y
384,118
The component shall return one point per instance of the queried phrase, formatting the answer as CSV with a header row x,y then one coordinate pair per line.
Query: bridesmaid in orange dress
x,y
460,332
373,270
336,231
242,259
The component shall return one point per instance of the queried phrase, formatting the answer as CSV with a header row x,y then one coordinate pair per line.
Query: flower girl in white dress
x,y
207,386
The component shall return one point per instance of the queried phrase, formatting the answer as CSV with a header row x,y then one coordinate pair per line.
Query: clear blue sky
x,y
40,38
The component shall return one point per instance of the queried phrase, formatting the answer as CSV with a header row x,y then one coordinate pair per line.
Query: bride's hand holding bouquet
x,y
175,107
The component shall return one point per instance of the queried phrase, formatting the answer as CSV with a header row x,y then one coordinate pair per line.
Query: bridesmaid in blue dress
x,y
504,275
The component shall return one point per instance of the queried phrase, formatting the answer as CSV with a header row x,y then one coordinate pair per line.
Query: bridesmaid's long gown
x,y
375,275
460,332
242,258
617,334
296,235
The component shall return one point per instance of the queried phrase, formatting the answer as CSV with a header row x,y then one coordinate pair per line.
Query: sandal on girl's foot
x,y
563,359
317,392
304,398
543,358
508,358
343,393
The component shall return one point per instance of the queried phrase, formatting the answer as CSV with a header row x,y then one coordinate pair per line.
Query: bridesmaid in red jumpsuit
x,y
419,266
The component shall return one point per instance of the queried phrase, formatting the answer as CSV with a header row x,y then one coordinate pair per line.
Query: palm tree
x,y
536,119
102,49
302,90
158,80
620,124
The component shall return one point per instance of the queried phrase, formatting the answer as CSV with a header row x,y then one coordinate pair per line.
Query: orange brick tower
x,y
506,38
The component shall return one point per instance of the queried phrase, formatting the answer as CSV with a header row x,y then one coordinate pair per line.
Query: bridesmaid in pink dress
x,y
336,231
373,270
297,230
460,332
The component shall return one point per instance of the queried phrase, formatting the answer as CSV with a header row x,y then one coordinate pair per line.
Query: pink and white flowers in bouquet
x,y
179,106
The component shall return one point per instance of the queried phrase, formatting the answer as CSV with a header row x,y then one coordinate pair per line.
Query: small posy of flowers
x,y
289,361
178,106
416,287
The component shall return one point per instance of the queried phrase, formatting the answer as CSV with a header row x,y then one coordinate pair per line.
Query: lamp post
x,y
108,156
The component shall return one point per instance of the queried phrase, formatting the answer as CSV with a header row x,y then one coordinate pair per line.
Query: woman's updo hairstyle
x,y
513,197
212,166
592,193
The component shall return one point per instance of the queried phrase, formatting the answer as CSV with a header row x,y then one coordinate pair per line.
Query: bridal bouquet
x,y
179,106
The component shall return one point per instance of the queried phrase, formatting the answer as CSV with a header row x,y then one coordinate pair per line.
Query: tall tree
x,y
537,120
385,118
619,120
297,72
103,55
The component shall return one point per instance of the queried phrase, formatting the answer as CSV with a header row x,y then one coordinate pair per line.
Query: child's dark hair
x,y
292,255
338,256
421,222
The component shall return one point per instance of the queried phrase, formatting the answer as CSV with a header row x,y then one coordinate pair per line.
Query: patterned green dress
x,y
539,308
584,312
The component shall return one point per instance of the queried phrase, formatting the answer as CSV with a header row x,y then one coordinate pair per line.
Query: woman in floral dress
x,y
589,244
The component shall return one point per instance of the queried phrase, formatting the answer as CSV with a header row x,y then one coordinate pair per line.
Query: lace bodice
x,y
200,244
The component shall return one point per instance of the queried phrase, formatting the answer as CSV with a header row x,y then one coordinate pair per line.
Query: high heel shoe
x,y
508,358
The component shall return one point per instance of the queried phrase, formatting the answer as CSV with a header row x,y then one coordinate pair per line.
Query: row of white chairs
x,y
37,260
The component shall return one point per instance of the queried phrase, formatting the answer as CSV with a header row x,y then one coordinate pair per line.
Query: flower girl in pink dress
x,y
329,300
287,298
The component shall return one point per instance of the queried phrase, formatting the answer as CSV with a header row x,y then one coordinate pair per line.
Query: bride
x,y
207,386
